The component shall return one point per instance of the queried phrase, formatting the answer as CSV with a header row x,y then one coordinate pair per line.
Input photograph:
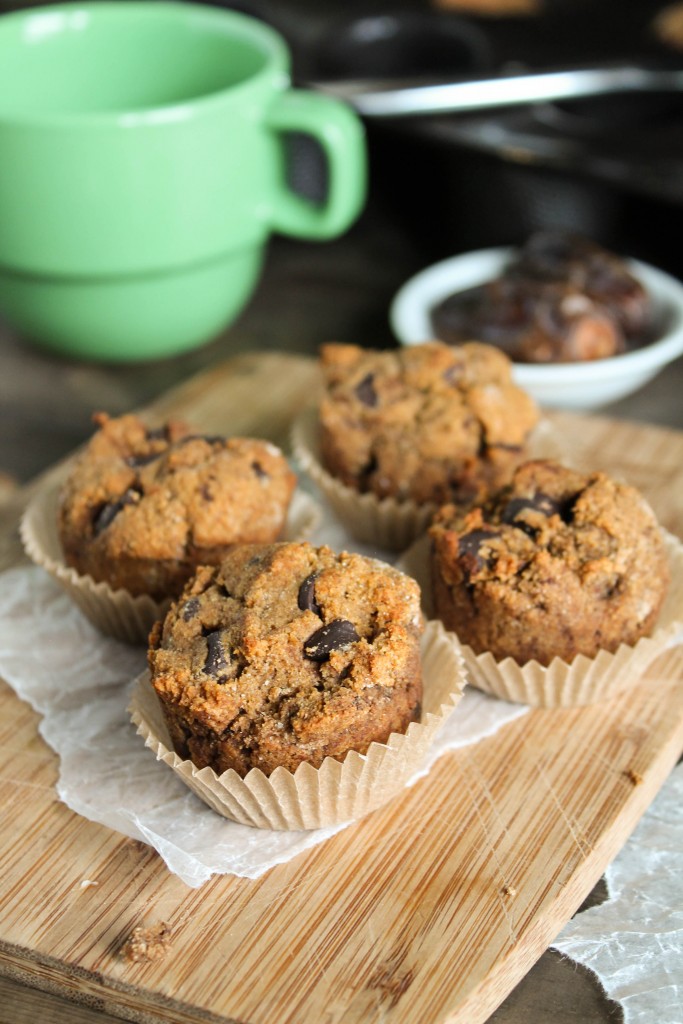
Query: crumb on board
x,y
509,891
144,945
635,777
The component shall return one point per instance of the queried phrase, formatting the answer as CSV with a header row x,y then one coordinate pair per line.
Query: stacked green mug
x,y
142,170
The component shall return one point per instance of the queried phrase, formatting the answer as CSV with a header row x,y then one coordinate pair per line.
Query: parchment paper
x,y
80,682
634,941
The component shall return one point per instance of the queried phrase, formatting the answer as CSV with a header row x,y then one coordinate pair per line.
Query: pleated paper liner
x,y
338,791
561,684
385,522
117,613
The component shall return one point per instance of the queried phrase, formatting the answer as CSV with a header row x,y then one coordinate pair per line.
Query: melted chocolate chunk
x,y
216,663
107,513
335,636
209,438
306,599
454,374
136,461
365,391
468,549
158,434
537,503
367,472
470,543
190,609
505,447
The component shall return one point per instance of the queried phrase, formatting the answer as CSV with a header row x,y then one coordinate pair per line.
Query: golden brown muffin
x,y
143,508
559,563
431,423
288,653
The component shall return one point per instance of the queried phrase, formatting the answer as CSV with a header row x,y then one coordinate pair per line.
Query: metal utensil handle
x,y
372,99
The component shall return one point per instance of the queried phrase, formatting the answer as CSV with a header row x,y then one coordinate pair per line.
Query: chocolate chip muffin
x,y
558,563
431,423
143,507
562,298
288,653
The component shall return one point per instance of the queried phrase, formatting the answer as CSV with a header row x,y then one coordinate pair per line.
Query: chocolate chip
x,y
365,391
205,492
470,543
469,546
335,636
566,508
158,434
190,608
259,470
306,599
504,447
537,503
454,374
136,461
365,474
107,513
209,438
216,663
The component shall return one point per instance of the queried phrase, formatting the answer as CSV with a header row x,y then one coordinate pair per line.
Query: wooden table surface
x,y
308,294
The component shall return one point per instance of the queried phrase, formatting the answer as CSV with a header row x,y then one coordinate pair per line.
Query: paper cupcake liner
x,y
118,613
384,522
338,791
561,684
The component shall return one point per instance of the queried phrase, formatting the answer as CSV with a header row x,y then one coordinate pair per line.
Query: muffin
x,y
562,298
142,508
558,564
429,423
288,653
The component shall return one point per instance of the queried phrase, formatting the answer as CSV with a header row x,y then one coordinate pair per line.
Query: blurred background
x,y
610,168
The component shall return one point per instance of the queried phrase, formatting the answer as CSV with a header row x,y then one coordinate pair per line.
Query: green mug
x,y
143,168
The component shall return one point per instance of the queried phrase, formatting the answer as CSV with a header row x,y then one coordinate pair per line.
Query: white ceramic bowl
x,y
585,385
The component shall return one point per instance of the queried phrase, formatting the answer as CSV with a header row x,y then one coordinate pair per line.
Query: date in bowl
x,y
587,384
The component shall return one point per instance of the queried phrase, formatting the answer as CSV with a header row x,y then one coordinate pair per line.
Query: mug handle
x,y
341,135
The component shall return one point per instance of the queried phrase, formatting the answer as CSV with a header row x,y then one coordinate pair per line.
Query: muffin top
x,y
290,652
142,507
557,563
431,422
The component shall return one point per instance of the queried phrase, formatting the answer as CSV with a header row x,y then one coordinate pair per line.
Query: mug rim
x,y
276,66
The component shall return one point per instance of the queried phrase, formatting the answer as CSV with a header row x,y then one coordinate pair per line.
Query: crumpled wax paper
x,y
80,682
633,942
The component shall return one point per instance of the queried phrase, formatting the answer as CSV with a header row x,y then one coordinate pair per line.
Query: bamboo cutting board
x,y
428,911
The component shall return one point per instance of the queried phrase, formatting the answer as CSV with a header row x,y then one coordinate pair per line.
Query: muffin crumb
x,y
146,945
